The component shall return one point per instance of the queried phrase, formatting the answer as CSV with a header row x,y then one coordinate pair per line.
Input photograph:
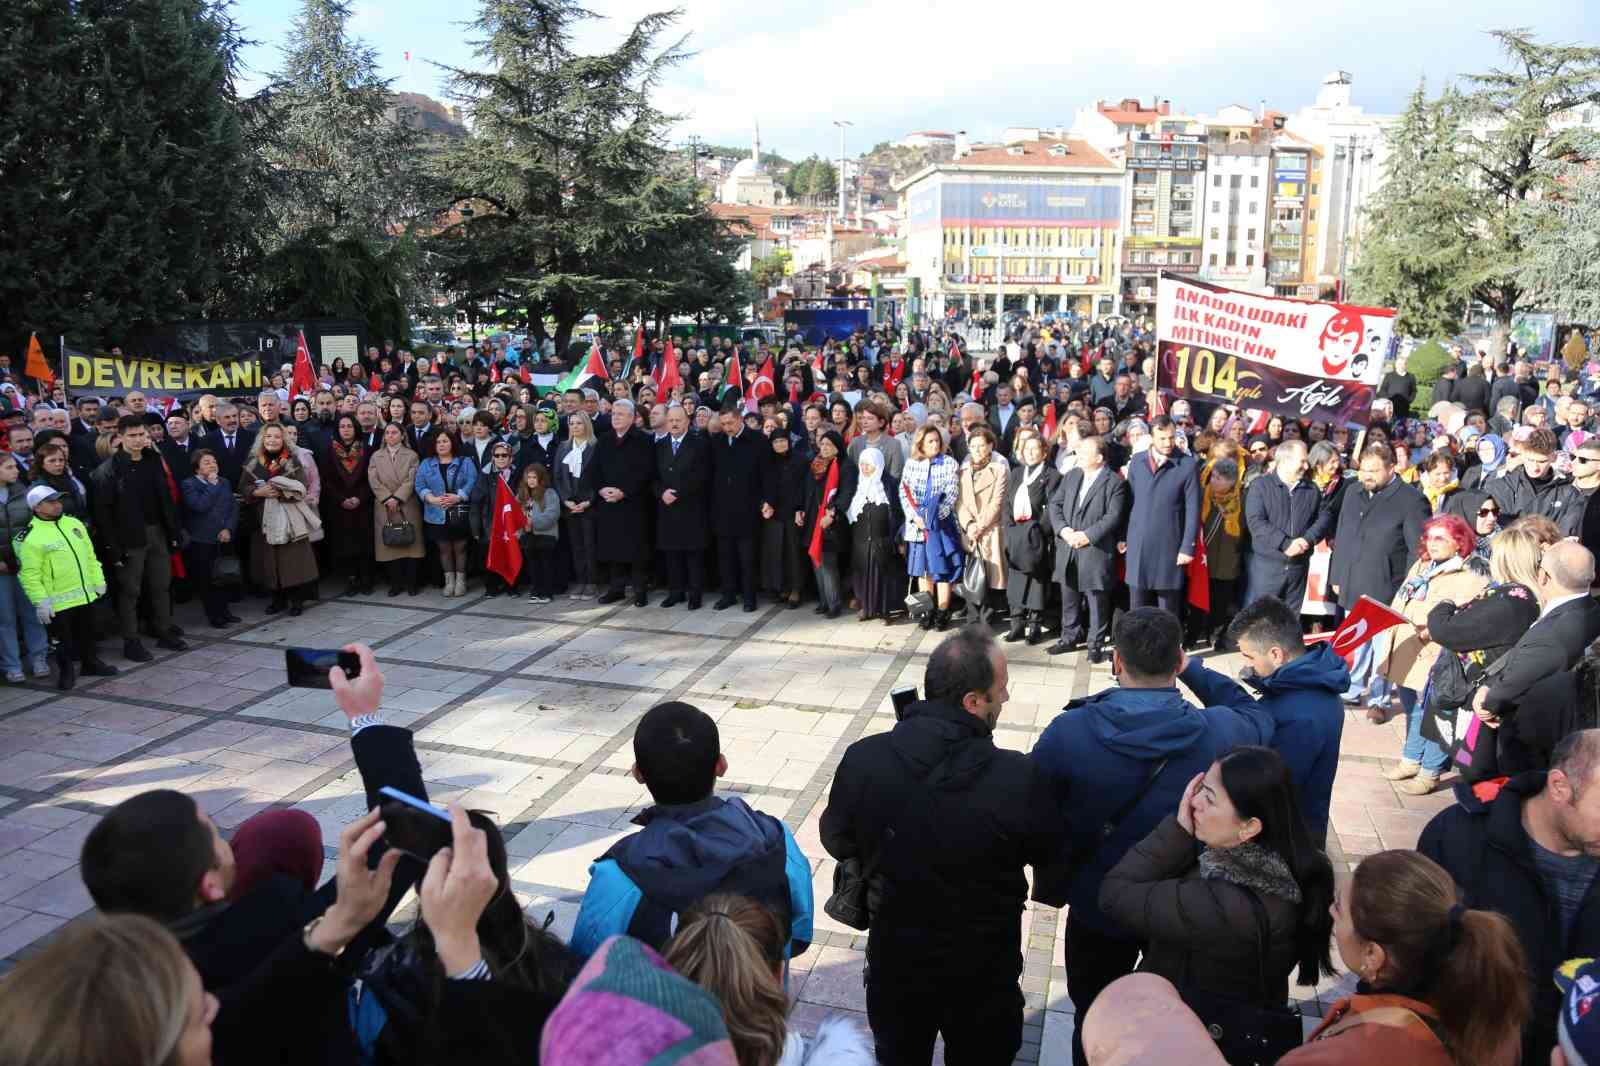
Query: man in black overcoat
x,y
683,475
1089,512
739,503
624,459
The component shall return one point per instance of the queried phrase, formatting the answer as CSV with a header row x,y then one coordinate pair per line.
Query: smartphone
x,y
902,698
308,667
412,826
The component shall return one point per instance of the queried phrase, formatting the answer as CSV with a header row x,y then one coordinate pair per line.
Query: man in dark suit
x,y
683,473
419,434
1569,621
1164,521
1284,513
738,505
231,443
179,446
1089,511
624,463
1380,526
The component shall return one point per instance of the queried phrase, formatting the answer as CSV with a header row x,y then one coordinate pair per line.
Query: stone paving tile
x,y
525,711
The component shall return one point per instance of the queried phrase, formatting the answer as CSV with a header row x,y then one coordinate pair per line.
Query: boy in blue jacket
x,y
1138,744
1300,687
692,844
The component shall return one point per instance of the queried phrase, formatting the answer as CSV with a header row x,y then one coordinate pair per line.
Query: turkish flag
x,y
765,384
667,375
505,554
1199,571
1365,621
305,375
1049,422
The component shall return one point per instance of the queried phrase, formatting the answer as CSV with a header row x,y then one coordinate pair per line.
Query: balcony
x,y
1287,226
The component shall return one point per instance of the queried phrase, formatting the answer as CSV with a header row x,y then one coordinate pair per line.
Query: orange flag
x,y
36,367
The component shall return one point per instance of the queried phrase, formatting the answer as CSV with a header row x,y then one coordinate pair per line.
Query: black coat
x,y
738,487
1103,517
622,529
1028,543
110,490
532,452
1375,541
835,538
1274,515
481,499
1400,390
180,457
1555,706
1554,643
574,489
229,945
682,526
1472,392
952,820
1557,499
1164,522
1485,848
231,461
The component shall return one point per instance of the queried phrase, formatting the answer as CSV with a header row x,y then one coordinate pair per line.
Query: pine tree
x,y
564,174
1562,270
1511,141
125,168
1416,253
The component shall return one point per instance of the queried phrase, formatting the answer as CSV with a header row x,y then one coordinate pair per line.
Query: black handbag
x,y
1248,1032
1447,681
458,516
1050,885
400,534
225,570
856,889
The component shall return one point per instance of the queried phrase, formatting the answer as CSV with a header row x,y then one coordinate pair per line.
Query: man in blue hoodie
x,y
1300,687
1119,762
692,844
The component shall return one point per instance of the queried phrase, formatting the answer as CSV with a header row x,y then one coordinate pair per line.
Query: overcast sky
x,y
796,65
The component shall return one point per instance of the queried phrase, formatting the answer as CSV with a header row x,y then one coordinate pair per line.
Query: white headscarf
x,y
868,489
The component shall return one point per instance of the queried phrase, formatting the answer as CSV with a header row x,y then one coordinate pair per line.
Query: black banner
x,y
1190,372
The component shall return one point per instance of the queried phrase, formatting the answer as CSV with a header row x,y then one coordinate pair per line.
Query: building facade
x,y
1029,226
1163,209
1293,232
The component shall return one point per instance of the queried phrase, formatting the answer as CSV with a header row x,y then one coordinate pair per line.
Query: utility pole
x,y
843,124
694,155
1344,224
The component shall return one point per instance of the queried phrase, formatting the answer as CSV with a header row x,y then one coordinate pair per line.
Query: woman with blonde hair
x,y
272,474
576,481
112,990
928,487
732,947
1471,636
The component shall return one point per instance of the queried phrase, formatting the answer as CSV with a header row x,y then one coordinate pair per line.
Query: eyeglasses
x,y
1488,512
1585,459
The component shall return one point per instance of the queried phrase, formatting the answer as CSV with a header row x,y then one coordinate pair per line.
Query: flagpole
x,y
66,389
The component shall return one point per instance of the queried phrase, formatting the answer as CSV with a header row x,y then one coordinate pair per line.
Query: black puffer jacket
x,y
956,819
1198,925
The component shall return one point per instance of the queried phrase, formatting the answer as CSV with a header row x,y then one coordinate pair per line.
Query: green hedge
x,y
1427,364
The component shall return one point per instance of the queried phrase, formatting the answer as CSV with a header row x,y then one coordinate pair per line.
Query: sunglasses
x,y
1585,459
1485,512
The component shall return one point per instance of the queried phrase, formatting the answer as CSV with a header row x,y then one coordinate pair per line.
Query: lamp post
x,y
843,124
1347,152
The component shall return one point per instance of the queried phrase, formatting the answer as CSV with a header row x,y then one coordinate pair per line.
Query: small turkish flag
x,y
1365,621
305,375
505,554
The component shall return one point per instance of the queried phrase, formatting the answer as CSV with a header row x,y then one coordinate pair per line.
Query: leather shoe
x,y
172,644
1096,656
835,611
820,608
98,668
724,603
749,608
672,600
1014,634
609,597
641,600
694,603
68,673
1061,647
135,651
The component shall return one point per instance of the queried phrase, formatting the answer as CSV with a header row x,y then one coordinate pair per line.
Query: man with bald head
x,y
1569,621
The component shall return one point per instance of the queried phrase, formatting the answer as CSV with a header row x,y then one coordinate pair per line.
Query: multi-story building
x,y
1163,209
1031,225
1296,199
1236,197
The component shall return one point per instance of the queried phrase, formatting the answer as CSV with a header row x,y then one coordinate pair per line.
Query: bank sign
x,y
1057,204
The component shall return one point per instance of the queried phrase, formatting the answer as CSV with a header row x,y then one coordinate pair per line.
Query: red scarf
x,y
829,489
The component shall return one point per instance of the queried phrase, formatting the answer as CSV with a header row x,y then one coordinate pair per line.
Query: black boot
x,y
1035,630
943,621
928,618
1014,633
69,671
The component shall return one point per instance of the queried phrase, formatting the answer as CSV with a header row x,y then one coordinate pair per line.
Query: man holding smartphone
x,y
234,904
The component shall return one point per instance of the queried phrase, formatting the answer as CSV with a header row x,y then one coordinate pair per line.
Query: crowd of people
x,y
1186,835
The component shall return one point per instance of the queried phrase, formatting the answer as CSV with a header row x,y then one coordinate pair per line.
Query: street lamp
x,y
842,124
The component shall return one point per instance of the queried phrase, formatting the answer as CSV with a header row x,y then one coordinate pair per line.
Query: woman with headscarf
x,y
1492,452
783,556
830,485
1027,534
875,519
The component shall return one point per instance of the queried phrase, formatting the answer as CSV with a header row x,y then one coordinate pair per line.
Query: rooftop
x,y
1045,152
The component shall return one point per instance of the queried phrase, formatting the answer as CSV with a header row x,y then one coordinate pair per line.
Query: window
x,y
1313,188
1213,258
1253,206
1255,181
1216,231
1234,182
1216,181
1250,234
1249,260
1233,233
1216,206
1232,259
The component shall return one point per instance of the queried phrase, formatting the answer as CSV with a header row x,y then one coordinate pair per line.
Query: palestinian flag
x,y
636,355
594,368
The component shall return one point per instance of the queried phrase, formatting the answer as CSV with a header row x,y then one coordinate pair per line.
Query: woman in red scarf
x,y
823,524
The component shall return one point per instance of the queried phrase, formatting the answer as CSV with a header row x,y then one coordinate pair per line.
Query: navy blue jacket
x,y
1164,521
683,854
1276,514
209,509
1303,697
1100,750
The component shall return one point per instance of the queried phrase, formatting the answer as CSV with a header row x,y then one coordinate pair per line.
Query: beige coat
x,y
395,476
278,567
978,504
1409,660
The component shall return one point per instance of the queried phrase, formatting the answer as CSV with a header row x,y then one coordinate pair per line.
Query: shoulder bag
x,y
398,533
856,888
1050,885
458,516
1247,1032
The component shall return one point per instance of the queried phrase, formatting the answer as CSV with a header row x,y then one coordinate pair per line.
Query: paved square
x,y
528,712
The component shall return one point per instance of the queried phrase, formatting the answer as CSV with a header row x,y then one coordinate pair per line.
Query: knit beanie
x,y
629,1008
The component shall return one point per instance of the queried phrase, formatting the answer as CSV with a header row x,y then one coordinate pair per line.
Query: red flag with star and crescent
x,y
505,554
304,382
